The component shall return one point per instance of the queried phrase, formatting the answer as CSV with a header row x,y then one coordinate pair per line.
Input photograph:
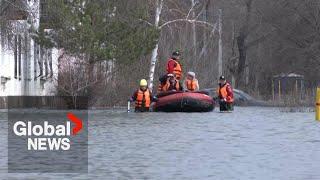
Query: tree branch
x,y
205,46
147,22
256,41
190,10
187,21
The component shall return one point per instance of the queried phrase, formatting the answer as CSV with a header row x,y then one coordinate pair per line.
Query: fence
x,y
44,102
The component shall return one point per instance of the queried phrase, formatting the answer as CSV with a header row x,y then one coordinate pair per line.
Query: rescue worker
x,y
191,83
162,83
225,95
143,97
174,66
172,84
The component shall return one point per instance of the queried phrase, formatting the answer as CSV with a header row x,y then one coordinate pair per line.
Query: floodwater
x,y
251,143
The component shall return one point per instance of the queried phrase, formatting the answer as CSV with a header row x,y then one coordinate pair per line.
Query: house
x,y
26,68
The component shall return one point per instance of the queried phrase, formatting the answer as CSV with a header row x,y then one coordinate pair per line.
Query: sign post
x,y
318,104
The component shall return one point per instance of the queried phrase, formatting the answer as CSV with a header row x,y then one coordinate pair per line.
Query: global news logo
x,y
46,136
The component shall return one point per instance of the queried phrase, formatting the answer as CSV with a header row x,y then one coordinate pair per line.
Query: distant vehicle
x,y
241,98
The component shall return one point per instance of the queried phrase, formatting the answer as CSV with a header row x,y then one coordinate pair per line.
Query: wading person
x,y
143,97
225,95
172,84
174,66
191,83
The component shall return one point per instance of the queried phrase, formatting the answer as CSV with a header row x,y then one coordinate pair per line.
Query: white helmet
x,y
192,74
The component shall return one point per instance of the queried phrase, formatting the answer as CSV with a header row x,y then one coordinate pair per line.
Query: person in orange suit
x,y
225,95
174,66
191,83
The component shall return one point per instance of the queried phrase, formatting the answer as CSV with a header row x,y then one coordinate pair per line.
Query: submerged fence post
x,y
279,89
318,104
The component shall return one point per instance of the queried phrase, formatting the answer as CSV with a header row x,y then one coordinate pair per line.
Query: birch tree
x,y
159,6
187,19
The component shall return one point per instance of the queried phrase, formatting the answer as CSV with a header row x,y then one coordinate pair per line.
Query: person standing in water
x,y
143,97
225,95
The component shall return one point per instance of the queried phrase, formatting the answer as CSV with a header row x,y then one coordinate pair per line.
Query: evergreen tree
x,y
97,30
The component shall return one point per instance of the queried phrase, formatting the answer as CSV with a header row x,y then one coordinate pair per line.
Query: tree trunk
x,y
155,50
205,34
242,48
233,65
91,77
153,65
247,74
242,60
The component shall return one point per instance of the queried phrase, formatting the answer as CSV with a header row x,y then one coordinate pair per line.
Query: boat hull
x,y
184,102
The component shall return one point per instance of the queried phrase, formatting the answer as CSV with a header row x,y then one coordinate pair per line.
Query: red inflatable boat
x,y
184,102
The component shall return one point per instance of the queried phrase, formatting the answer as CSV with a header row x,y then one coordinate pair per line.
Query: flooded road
x,y
251,143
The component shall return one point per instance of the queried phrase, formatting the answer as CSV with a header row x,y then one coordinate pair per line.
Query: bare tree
x,y
186,19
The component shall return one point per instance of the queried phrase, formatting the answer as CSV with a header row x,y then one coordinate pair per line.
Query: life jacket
x,y
160,87
167,87
162,81
143,98
223,93
177,69
191,84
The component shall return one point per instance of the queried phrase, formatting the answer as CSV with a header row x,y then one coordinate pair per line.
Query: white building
x,y
25,67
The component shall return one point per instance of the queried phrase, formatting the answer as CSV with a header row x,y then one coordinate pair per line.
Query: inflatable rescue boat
x,y
179,101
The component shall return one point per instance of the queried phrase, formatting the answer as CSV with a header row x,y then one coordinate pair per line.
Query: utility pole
x,y
194,33
220,43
